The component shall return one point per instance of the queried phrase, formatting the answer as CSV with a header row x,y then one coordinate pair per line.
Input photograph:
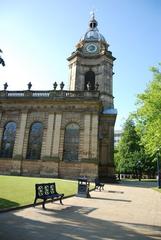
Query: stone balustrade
x,y
49,94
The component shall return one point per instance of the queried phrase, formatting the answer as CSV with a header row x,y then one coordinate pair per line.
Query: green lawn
x,y
20,191
157,189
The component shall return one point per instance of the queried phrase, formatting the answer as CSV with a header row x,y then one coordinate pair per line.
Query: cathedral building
x,y
63,133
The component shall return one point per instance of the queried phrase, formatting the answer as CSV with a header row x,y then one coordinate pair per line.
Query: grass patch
x,y
20,191
157,189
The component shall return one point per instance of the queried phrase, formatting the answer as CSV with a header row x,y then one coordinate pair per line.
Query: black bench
x,y
98,184
47,191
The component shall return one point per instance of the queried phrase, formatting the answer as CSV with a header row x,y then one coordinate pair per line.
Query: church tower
x,y
91,69
91,65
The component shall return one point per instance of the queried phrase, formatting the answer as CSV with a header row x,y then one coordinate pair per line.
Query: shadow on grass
x,y
5,204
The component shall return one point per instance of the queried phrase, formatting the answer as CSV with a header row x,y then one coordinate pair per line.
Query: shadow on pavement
x,y
69,222
110,191
111,199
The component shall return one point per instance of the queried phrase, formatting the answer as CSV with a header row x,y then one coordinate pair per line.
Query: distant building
x,y
117,136
64,133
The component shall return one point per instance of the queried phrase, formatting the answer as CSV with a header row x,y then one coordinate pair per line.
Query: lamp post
x,y
139,170
158,168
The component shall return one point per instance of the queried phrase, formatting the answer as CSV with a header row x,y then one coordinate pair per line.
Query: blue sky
x,y
37,36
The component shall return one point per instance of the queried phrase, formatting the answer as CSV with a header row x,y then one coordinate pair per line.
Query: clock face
x,y
91,48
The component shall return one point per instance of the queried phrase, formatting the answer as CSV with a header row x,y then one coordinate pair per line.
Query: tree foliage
x,y
128,152
148,115
141,138
1,59
130,155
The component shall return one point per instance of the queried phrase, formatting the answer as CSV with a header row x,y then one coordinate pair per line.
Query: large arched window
x,y
8,140
71,142
89,83
35,141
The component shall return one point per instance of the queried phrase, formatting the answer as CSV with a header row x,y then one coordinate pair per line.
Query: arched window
x,y
71,142
8,140
89,83
35,141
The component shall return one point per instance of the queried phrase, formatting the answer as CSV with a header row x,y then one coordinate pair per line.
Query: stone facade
x,y
91,111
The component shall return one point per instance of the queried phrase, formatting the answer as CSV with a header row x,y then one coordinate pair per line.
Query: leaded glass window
x,y
35,141
8,140
71,142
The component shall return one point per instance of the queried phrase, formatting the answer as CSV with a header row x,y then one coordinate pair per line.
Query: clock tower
x,y
91,71
91,65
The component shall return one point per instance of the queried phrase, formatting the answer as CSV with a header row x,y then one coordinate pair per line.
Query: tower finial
x,y
92,13
92,23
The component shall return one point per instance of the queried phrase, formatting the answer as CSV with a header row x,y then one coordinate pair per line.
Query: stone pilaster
x,y
111,139
94,136
1,129
49,135
87,123
56,140
20,136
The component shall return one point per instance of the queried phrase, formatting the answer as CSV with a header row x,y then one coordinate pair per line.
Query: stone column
x,y
56,140
1,129
18,148
94,136
20,135
111,140
72,76
49,135
87,123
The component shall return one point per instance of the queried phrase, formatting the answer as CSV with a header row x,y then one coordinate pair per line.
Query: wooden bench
x,y
47,191
98,184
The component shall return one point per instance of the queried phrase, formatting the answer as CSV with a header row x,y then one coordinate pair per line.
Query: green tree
x,y
128,152
1,59
148,115
141,139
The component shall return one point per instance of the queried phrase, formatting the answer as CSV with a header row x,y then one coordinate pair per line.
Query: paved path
x,y
119,212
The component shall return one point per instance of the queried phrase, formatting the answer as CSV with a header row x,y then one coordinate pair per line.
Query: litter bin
x,y
83,187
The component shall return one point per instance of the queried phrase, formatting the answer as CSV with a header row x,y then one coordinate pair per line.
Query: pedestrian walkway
x,y
119,212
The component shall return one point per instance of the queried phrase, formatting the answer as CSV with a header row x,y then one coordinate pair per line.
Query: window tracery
x,y
35,141
8,140
71,142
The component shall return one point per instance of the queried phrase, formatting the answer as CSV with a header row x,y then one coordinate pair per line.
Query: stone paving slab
x,y
118,212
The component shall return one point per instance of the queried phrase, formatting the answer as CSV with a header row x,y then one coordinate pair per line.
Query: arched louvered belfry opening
x,y
35,141
71,142
89,83
8,140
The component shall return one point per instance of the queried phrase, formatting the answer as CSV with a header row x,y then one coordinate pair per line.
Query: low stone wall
x,y
5,166
74,170
49,168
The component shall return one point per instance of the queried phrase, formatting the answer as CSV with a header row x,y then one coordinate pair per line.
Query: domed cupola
x,y
93,33
93,42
